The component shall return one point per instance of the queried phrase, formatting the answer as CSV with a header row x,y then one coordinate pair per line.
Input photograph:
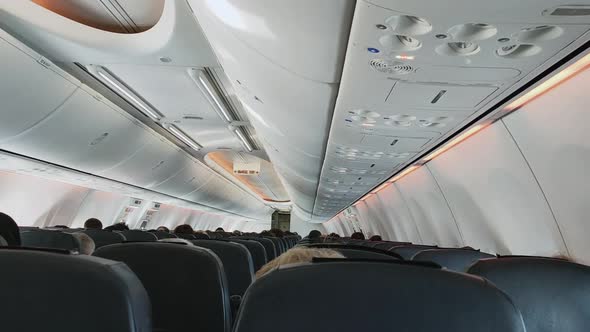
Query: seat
x,y
269,247
552,294
388,245
185,236
49,239
256,250
186,284
408,251
49,291
356,251
453,259
139,236
3,242
164,235
237,263
201,236
280,249
375,296
103,238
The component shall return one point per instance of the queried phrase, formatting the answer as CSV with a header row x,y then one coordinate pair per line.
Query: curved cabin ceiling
x,y
121,16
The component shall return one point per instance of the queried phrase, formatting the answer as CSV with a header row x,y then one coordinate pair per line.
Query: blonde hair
x,y
87,245
297,255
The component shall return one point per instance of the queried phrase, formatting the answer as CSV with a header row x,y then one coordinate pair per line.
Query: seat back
x,y
185,236
269,247
164,235
186,284
139,236
280,249
453,259
49,291
237,263
357,251
103,238
552,294
375,296
49,239
3,242
388,245
408,251
256,250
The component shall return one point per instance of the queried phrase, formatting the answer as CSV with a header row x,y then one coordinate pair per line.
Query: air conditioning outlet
x,y
391,67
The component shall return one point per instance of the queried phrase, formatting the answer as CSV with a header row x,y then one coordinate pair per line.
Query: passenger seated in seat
x,y
357,236
184,229
87,245
93,223
277,232
297,255
163,229
375,238
61,226
9,230
219,230
314,235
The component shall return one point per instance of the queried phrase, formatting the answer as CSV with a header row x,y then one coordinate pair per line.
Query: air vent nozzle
x,y
391,67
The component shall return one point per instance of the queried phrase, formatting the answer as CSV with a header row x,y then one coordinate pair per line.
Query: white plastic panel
x,y
28,90
183,182
438,95
552,133
429,209
494,197
83,134
404,228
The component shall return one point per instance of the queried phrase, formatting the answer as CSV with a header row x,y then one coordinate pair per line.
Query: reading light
x,y
204,82
131,97
555,80
242,138
184,137
405,57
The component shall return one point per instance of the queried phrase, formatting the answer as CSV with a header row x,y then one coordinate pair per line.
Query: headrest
x,y
186,284
103,238
408,251
185,236
237,263
269,247
47,291
164,235
201,236
356,251
453,259
375,296
256,250
279,247
49,239
552,294
388,245
139,236
3,242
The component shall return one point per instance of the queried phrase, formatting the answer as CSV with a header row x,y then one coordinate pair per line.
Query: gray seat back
x,y
453,259
103,238
375,296
139,236
57,292
408,251
256,250
49,239
552,294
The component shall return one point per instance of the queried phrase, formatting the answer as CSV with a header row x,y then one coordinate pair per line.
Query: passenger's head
x,y
334,236
219,229
277,232
87,245
315,234
184,229
357,236
163,229
117,227
297,255
93,223
9,230
375,238
61,226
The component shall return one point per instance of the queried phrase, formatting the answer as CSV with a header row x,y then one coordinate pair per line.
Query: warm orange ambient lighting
x,y
381,187
404,173
552,82
455,141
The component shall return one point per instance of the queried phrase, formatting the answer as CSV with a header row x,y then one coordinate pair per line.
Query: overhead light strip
x,y
126,93
242,138
184,137
204,81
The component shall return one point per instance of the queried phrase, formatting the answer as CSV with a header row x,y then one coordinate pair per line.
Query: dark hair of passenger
x,y
277,232
61,226
163,229
9,230
117,227
93,223
315,234
375,238
184,229
219,229
357,236
334,236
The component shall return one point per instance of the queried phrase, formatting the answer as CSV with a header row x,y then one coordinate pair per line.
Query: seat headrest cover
x,y
103,238
3,242
374,296
49,239
47,291
137,235
552,294
408,251
453,259
186,284
257,251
